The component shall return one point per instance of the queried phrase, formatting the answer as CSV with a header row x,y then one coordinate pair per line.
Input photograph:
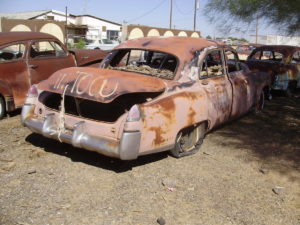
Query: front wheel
x,y
2,108
188,141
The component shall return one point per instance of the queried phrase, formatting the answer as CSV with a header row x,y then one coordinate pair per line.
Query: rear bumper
x,y
127,148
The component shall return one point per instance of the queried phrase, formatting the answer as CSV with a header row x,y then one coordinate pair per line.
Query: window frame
x,y
236,58
17,59
221,50
52,56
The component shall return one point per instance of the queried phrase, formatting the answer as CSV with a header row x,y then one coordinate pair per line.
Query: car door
x,y
214,80
242,84
13,71
46,57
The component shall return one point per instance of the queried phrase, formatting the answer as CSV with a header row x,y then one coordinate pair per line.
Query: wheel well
x,y
195,125
2,97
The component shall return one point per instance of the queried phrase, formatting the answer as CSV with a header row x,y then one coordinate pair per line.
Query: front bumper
x,y
127,148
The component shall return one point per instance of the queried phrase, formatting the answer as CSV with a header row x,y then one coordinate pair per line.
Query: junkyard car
x,y
150,95
103,44
282,62
27,58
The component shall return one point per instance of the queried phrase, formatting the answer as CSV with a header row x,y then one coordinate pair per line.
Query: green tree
x,y
208,37
283,14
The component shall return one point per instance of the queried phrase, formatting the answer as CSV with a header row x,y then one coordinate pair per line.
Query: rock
x,y
8,166
161,221
278,190
206,153
264,171
168,182
31,171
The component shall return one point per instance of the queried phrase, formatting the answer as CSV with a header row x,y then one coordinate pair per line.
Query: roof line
x,y
101,19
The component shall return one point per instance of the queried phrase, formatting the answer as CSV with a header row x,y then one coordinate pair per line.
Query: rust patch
x,y
158,140
191,116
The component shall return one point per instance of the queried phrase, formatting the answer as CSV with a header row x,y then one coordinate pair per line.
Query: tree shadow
x,y
273,135
89,157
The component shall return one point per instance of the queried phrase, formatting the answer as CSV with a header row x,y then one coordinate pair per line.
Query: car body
x,y
282,62
27,58
103,44
150,95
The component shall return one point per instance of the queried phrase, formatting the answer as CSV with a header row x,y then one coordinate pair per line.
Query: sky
x,y
144,12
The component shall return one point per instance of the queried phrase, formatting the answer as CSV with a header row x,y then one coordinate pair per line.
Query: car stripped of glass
x,y
12,52
158,64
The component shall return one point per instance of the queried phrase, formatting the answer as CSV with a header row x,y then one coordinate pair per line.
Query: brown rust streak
x,y
158,135
167,109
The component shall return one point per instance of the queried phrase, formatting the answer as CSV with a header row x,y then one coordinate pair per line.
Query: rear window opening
x,y
88,109
152,63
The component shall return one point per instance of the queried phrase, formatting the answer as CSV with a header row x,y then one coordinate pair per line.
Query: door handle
x,y
204,82
85,57
33,66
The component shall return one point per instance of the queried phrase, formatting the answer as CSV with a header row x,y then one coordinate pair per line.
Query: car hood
x,y
99,84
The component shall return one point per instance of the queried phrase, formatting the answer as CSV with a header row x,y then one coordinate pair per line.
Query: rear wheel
x,y
2,107
188,141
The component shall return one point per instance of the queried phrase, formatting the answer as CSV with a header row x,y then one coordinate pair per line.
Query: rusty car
x,y
149,95
282,62
27,58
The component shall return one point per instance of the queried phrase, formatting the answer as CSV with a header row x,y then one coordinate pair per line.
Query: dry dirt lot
x,y
247,172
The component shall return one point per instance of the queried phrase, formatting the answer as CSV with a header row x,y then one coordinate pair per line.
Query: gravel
x,y
46,182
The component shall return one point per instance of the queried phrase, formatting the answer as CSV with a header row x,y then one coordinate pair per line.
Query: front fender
x,y
7,94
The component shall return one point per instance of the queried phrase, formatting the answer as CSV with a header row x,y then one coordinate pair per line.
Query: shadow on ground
x,y
89,157
273,135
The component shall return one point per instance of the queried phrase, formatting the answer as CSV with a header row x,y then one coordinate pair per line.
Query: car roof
x,y
182,47
9,37
284,49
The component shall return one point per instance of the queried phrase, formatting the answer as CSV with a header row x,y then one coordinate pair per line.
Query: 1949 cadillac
x,y
149,95
27,58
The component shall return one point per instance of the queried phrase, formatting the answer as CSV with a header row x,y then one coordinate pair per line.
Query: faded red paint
x,y
17,75
285,73
187,100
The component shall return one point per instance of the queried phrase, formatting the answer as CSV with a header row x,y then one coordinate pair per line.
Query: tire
x,y
188,141
2,108
259,106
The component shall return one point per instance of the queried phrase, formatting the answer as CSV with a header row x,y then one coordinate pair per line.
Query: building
x,y
76,25
275,40
138,31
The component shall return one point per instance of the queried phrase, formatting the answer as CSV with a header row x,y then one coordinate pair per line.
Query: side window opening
x,y
232,61
42,49
296,57
256,56
212,65
12,52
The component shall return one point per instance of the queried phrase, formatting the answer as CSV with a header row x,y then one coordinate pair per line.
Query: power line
x,y
180,11
147,13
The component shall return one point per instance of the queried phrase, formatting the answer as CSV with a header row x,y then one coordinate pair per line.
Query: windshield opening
x,y
152,63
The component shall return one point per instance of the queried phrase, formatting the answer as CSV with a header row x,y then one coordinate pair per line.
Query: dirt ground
x,y
246,172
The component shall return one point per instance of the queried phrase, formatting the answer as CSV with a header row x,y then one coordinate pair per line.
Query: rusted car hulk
x,y
27,58
282,62
150,95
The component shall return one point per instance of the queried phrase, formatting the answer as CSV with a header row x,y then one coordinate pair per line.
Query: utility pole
x,y
256,30
66,27
171,8
195,12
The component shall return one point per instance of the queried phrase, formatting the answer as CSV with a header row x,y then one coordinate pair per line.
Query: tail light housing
x,y
134,114
33,91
